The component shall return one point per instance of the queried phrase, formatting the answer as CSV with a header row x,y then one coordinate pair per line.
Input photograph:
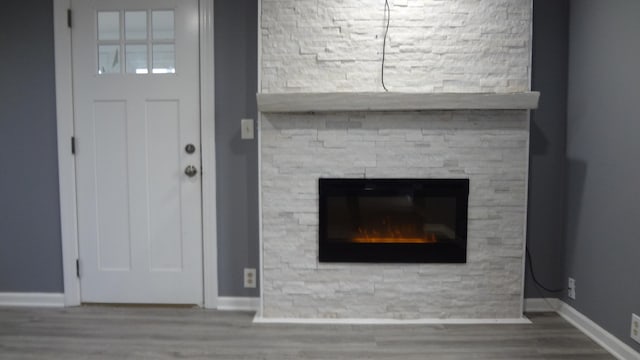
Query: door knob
x,y
191,171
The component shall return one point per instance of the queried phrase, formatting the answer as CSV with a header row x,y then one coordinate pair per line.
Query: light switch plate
x,y
247,129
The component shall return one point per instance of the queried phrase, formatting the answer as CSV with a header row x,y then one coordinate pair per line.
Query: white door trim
x,y
208,136
66,161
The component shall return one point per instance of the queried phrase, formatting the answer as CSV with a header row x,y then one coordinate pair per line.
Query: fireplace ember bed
x,y
393,220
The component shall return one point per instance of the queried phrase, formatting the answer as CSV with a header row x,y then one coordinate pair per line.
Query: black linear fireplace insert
x,y
393,220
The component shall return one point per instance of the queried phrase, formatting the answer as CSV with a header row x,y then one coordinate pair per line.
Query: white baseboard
x,y
601,336
32,299
542,305
238,303
354,321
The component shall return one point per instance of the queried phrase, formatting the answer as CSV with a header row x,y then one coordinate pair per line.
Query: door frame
x,y
66,160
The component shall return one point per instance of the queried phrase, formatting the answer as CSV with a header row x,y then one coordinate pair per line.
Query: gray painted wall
x,y
30,248
603,207
546,211
236,44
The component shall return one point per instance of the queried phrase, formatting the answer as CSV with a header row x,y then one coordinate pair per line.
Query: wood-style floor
x,y
174,333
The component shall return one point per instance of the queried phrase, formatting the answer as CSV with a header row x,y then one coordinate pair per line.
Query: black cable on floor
x,y
533,275
387,13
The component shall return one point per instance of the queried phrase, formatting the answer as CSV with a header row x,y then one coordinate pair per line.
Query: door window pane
x,y
108,59
137,59
135,25
108,25
163,25
164,59
146,46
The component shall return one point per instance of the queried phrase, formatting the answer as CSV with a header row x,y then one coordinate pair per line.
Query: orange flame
x,y
386,240
390,234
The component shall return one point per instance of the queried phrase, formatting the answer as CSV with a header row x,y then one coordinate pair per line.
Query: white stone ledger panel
x,y
432,45
488,147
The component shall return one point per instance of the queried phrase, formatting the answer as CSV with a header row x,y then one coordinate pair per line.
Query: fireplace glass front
x,y
393,220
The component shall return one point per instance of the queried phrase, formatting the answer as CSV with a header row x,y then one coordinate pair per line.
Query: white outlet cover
x,y
635,327
249,278
571,288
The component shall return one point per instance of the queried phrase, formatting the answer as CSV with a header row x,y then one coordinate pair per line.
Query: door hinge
x,y
69,18
73,145
78,268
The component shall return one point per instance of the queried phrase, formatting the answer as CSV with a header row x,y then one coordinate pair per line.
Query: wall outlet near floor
x,y
635,327
572,288
249,277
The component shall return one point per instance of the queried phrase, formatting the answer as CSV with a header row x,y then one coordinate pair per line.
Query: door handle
x,y
191,171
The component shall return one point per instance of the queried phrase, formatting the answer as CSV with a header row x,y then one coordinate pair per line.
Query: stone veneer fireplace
x,y
489,147
458,109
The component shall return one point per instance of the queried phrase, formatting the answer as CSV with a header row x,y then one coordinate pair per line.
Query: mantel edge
x,y
394,101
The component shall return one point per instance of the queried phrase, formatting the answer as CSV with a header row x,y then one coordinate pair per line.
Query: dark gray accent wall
x,y
30,247
236,51
546,210
603,150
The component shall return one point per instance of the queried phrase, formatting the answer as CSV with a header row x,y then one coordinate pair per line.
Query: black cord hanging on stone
x,y
387,13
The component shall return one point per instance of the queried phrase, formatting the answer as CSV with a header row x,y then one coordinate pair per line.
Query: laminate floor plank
x,y
103,332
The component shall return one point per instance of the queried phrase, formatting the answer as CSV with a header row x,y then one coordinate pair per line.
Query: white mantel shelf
x,y
394,101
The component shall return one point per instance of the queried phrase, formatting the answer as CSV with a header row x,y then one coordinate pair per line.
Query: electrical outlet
x,y
246,132
249,278
635,327
572,288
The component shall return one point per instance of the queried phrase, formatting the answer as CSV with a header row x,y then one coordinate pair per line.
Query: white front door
x,y
136,104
